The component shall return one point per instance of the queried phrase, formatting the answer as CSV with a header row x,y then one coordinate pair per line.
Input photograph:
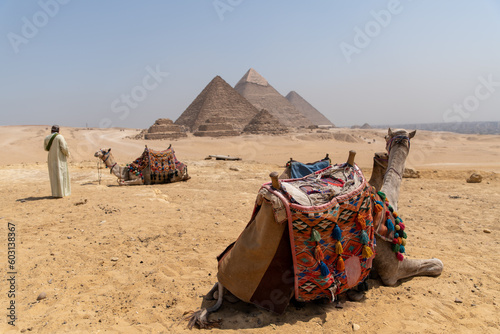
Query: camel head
x,y
398,137
102,153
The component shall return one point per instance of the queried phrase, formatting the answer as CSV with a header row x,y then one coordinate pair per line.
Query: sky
x,y
122,63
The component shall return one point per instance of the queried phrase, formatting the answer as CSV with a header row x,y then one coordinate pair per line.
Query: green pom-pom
x,y
382,195
395,248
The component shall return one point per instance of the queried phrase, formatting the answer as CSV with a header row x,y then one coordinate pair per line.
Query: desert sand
x,y
133,259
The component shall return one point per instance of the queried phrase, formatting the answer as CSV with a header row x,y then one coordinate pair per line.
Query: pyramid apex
x,y
252,76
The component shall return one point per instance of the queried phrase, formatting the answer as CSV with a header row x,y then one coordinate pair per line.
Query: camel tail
x,y
200,318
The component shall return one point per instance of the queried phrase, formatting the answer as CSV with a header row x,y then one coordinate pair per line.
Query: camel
x,y
389,267
151,167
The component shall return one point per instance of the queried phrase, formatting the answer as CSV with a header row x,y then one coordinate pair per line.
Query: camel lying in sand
x,y
150,168
276,283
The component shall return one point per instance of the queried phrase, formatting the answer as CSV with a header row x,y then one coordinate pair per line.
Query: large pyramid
x,y
262,95
265,123
307,109
218,100
216,127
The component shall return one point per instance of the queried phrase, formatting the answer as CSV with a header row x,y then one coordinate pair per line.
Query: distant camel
x,y
151,167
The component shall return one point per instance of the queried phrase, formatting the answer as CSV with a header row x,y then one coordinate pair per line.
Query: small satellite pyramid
x,y
218,101
262,95
266,124
164,128
307,109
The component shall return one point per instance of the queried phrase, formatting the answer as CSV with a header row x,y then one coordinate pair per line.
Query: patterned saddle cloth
x,y
331,230
163,164
318,243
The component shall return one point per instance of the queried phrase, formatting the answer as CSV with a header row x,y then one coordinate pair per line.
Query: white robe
x,y
58,166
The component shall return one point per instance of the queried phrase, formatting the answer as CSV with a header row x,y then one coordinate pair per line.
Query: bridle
x,y
106,155
397,140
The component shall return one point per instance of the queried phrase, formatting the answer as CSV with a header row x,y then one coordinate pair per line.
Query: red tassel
x,y
400,256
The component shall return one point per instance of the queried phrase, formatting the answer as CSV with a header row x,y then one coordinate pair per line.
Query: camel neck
x,y
394,173
110,163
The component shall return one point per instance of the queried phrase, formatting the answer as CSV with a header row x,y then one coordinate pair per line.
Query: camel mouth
x,y
96,154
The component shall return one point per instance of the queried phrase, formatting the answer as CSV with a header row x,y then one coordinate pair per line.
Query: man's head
x,y
55,128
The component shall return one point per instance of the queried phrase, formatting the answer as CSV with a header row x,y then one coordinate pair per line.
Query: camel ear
x,y
389,132
412,134
109,150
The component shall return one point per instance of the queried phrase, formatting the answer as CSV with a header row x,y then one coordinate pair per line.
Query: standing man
x,y
58,166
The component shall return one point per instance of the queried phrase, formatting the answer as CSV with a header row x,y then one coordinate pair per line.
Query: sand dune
x,y
133,259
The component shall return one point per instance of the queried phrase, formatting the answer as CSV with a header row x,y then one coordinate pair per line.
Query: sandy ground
x,y
134,259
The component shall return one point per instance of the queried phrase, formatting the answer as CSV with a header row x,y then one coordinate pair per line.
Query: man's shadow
x,y
30,199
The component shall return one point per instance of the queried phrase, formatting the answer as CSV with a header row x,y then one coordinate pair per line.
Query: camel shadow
x,y
31,199
241,315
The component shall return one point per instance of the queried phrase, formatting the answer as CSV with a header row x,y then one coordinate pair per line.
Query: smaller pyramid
x,y
366,126
164,128
216,127
307,109
265,124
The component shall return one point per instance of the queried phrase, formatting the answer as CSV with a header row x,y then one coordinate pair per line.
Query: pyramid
x,y
262,95
164,128
307,109
216,127
265,123
218,99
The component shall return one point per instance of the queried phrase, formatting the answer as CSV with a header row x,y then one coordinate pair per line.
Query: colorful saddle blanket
x,y
163,164
309,251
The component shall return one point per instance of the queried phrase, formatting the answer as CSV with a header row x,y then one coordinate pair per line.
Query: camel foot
x,y
355,296
433,267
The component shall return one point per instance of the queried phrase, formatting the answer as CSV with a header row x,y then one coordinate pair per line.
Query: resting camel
x,y
389,267
150,167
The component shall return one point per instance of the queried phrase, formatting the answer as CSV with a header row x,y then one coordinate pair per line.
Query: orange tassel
x,y
318,253
340,264
378,208
361,222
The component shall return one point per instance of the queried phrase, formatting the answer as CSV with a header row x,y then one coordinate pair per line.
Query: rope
x,y
99,173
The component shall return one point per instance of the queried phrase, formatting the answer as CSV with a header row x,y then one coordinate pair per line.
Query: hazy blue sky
x,y
127,63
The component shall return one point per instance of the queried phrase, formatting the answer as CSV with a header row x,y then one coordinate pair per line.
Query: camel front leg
x,y
391,270
136,181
